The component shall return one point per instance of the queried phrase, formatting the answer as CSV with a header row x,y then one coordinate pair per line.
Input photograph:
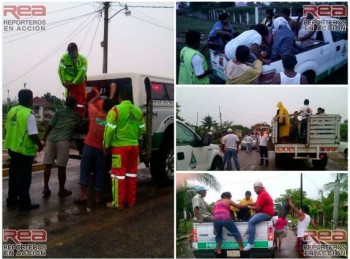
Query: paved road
x,y
146,230
183,248
250,162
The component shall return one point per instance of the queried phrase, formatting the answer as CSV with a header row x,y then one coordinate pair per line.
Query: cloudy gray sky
x,y
142,42
250,105
275,183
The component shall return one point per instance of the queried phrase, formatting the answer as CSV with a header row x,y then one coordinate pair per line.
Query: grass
x,y
185,227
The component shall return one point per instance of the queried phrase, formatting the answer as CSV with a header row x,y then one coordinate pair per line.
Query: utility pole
x,y
301,189
105,37
336,202
220,119
24,85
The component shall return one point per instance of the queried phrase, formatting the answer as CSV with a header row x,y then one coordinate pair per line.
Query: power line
x,y
86,34
148,6
151,18
68,8
93,39
169,29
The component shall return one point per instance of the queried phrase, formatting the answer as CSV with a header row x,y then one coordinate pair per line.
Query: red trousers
x,y
124,175
79,92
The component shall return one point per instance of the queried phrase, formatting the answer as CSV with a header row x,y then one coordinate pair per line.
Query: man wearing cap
x,y
58,134
200,207
264,211
245,213
231,142
72,72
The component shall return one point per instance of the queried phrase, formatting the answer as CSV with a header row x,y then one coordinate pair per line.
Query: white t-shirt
x,y
263,141
303,225
197,63
305,114
248,139
31,125
285,80
247,38
230,141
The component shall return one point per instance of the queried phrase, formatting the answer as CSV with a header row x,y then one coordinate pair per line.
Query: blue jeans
x,y
229,225
249,147
256,219
230,152
92,160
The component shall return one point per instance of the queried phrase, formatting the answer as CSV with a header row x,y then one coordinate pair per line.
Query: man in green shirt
x,y
58,134
72,72
21,138
125,124
193,66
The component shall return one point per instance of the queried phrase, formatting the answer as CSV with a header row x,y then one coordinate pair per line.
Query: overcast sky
x,y
250,105
142,42
275,183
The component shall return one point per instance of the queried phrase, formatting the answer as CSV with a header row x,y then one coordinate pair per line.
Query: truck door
x,y
339,49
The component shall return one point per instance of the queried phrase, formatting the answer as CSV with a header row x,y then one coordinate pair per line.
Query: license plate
x,y
233,253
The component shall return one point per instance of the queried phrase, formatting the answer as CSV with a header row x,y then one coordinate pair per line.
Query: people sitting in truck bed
x,y
252,39
289,76
268,20
221,33
307,32
285,13
237,72
283,39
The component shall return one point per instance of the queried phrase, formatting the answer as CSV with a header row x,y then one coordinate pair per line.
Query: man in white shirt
x,y
305,112
231,142
263,145
200,207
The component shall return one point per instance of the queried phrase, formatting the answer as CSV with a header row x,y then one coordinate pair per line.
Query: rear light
x,y
328,149
288,149
194,234
322,156
322,149
334,149
269,233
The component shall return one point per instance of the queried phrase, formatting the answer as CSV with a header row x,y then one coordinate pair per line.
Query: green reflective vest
x,y
17,138
125,124
70,71
186,72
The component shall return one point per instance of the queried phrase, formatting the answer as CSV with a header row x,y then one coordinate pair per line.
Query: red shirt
x,y
265,201
94,137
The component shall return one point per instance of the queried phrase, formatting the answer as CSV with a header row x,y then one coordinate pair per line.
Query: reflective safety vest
x,y
70,71
125,124
186,71
17,138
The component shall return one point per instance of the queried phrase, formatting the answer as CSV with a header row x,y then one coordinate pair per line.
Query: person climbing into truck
x,y
238,72
72,73
221,33
193,65
264,211
305,112
289,76
222,218
304,220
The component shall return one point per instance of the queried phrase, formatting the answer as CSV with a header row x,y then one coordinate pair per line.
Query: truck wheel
x,y
280,160
320,164
162,165
217,164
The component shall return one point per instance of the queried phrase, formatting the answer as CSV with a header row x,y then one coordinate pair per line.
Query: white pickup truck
x,y
203,242
323,137
194,153
328,54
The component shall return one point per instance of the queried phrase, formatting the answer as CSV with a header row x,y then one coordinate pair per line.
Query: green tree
x,y
187,191
208,123
178,117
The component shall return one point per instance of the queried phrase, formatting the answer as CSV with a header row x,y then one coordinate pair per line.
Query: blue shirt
x,y
214,37
282,42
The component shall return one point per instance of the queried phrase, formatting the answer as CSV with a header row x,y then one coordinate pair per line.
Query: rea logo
x,y
326,235
19,11
325,10
24,235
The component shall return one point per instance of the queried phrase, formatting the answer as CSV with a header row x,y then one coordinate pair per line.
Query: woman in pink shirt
x,y
280,230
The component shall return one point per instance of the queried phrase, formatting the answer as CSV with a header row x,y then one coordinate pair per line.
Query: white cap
x,y
229,130
258,184
210,133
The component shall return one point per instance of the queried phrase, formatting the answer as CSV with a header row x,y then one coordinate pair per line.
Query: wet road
x,y
250,162
146,230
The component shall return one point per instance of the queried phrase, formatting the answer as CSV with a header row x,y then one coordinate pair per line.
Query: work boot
x,y
267,162
261,162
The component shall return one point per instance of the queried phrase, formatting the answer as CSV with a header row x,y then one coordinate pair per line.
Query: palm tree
x,y
186,192
208,123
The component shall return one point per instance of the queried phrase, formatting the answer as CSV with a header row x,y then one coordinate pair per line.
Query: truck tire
x,y
162,165
217,164
320,164
311,76
280,160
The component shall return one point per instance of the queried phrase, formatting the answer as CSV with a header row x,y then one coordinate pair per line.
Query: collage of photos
x,y
170,129
240,106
